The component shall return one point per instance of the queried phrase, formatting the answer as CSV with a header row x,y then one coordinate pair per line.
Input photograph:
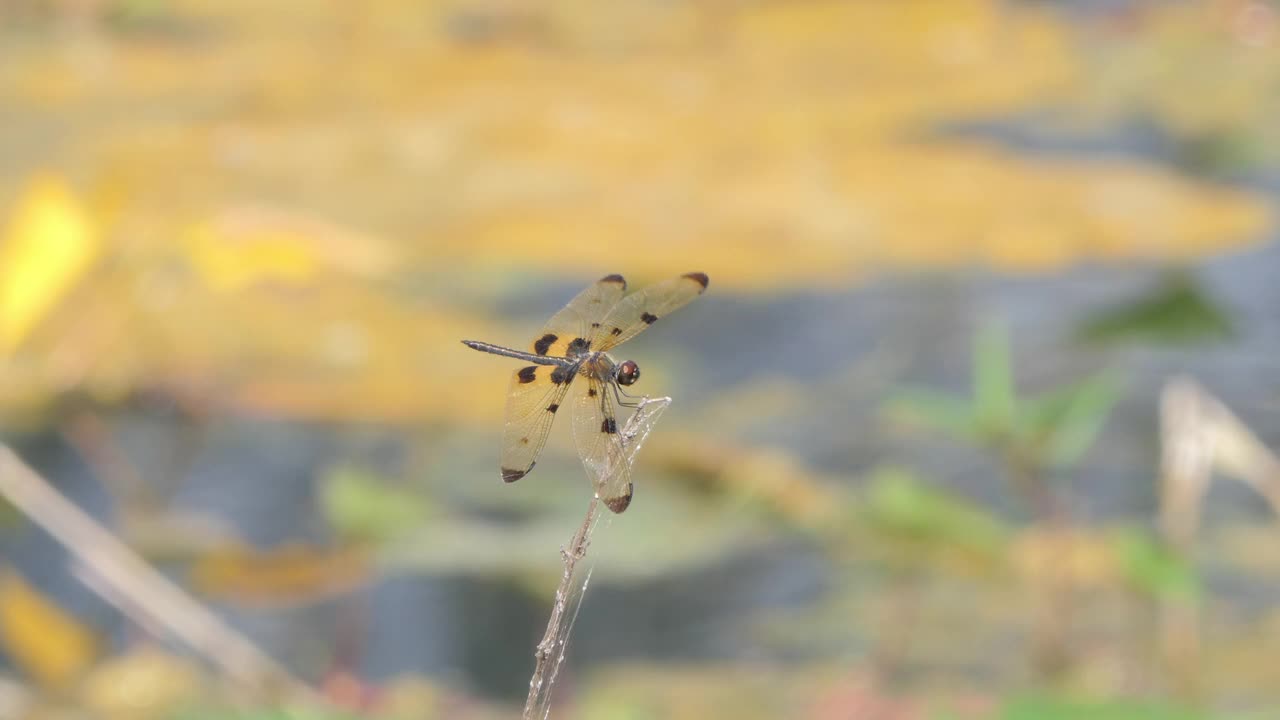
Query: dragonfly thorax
x,y
599,365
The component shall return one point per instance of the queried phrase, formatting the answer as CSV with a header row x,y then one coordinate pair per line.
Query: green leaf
x,y
362,505
1153,568
900,504
1177,311
934,410
994,400
1047,707
1066,422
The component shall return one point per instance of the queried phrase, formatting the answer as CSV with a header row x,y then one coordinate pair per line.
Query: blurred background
x,y
958,430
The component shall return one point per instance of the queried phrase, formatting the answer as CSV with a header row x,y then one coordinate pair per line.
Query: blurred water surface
x,y
244,241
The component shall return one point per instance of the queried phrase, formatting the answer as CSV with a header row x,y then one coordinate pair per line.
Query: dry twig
x,y
129,583
1199,436
551,650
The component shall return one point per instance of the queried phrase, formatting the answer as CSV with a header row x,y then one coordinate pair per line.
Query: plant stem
x,y
1055,587
125,580
550,652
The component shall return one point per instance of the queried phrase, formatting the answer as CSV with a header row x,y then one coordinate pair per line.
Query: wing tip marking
x,y
509,475
700,278
622,502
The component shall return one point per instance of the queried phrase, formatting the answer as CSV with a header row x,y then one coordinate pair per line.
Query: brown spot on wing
x,y
579,346
615,278
560,375
542,344
527,374
616,331
591,392
553,407
648,318
609,425
700,278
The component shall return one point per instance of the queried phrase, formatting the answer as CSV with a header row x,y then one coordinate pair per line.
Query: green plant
x,y
1031,435
921,519
1153,568
1049,707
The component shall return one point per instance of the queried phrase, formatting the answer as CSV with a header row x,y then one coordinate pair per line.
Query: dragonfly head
x,y
628,372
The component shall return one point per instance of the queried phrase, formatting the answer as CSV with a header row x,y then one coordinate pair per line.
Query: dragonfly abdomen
x,y
518,354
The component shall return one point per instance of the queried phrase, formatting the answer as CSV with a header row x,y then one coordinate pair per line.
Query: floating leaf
x,y
250,246
44,640
285,573
50,245
1176,311
362,505
231,264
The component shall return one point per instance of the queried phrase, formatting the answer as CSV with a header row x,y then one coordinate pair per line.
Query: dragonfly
x,y
574,345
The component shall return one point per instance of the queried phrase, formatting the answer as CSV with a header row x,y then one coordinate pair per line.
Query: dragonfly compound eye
x,y
628,372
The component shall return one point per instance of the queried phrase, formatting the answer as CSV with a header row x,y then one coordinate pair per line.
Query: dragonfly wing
x,y
537,390
573,327
641,309
532,403
595,430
